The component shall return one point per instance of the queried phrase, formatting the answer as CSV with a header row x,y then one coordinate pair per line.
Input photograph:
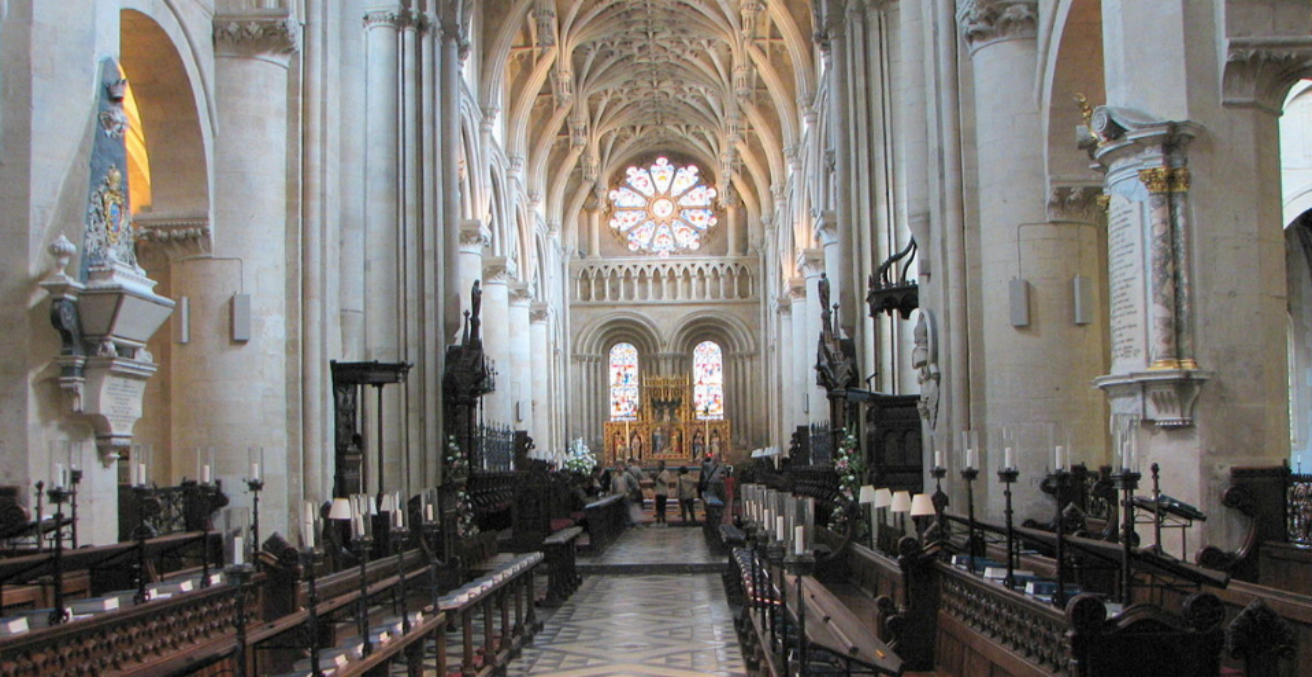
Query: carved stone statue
x,y
924,358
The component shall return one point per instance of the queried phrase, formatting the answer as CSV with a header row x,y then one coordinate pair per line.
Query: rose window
x,y
662,209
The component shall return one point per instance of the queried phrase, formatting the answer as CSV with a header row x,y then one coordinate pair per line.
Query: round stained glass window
x,y
662,209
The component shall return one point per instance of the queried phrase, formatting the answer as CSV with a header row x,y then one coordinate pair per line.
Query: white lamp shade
x,y
883,497
389,503
341,509
901,502
867,494
922,506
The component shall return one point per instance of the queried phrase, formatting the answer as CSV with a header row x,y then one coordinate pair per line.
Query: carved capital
x,y
250,34
1260,70
520,294
784,304
474,236
1158,142
175,236
811,262
498,270
1165,179
797,289
539,312
986,22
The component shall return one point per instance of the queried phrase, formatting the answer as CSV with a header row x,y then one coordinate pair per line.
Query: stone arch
x,y
597,337
176,119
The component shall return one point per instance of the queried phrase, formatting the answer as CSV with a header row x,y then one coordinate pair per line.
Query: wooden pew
x,y
561,551
606,520
507,593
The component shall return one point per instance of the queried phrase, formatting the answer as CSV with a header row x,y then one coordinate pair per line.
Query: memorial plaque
x,y
1127,289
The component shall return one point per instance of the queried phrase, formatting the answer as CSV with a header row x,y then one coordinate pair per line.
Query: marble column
x,y
812,264
498,271
231,393
520,399
540,400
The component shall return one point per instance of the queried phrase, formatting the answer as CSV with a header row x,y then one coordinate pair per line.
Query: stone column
x,y
800,357
784,396
230,393
448,122
474,239
520,396
1023,386
497,274
540,400
812,264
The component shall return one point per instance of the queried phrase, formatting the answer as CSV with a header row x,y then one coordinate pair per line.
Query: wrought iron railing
x,y
495,447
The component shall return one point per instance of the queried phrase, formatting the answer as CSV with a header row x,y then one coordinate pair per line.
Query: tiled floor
x,y
648,546
658,625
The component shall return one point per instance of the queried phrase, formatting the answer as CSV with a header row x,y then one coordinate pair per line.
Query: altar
x,y
665,426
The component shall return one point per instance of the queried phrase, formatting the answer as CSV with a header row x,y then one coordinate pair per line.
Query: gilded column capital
x,y
256,33
1165,179
985,22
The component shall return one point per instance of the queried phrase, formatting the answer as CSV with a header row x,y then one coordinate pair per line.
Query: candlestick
x,y
1008,475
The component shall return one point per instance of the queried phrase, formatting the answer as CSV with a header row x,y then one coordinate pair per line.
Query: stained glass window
x,y
623,382
708,381
662,209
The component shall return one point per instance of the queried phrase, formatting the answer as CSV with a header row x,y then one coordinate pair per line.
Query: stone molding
x,y
1122,130
520,294
797,288
539,312
250,34
1260,70
826,227
987,22
174,235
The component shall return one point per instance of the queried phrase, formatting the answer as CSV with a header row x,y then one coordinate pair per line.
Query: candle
x,y
359,525
60,477
799,540
1060,454
428,512
238,554
141,474
938,459
1008,458
205,474
779,527
970,458
255,470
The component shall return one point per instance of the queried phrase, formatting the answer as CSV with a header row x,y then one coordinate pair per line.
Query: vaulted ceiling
x,y
589,86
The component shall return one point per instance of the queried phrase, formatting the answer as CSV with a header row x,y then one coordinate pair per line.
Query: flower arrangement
x,y
850,467
580,459
457,467
457,463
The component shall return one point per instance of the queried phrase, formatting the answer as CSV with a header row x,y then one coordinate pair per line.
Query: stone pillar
x,y
231,393
540,400
1203,207
448,122
520,395
474,239
1023,387
497,274
812,264
800,357
783,397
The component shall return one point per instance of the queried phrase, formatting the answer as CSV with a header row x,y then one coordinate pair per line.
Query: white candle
x,y
1008,458
307,534
141,474
359,526
970,458
238,554
59,478
799,540
205,474
428,512
938,459
1060,453
255,470
768,519
779,527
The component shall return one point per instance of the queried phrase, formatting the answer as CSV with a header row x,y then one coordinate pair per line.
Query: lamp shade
x,y
901,502
883,497
341,509
922,506
389,503
867,494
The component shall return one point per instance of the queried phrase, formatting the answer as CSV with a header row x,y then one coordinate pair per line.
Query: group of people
x,y
628,480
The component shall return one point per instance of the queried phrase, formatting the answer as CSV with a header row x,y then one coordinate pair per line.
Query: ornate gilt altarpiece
x,y
665,428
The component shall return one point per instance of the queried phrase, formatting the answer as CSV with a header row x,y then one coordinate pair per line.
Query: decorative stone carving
x,y
1260,70
498,270
811,262
797,289
520,294
539,312
253,33
474,236
544,15
985,22
1164,396
1077,203
176,236
924,359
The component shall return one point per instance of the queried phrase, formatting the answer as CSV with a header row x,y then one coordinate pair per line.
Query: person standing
x,y
662,491
687,494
